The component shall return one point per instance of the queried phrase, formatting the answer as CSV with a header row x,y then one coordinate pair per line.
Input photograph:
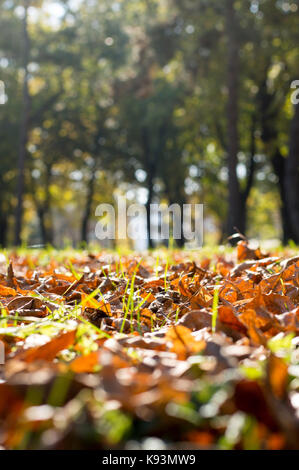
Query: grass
x,y
215,308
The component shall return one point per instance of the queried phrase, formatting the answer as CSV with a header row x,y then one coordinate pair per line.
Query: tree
x,y
23,126
235,198
11,28
292,176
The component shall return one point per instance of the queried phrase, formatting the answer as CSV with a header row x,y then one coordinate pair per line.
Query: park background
x,y
164,101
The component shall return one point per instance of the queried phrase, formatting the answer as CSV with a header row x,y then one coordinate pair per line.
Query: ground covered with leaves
x,y
171,349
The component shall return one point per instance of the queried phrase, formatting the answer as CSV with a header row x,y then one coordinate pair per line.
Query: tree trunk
x,y
150,171
150,189
49,236
292,177
42,224
88,205
250,171
279,166
236,217
43,208
180,199
23,129
45,226
269,115
3,228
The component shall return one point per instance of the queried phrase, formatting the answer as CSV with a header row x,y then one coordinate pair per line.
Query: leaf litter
x,y
103,351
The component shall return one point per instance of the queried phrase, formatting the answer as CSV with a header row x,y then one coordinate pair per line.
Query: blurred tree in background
x,y
161,100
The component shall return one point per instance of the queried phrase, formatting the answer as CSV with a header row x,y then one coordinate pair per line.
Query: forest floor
x,y
171,349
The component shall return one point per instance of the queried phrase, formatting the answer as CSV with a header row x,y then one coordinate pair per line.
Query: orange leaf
x,y
183,342
89,302
85,364
48,351
277,376
7,291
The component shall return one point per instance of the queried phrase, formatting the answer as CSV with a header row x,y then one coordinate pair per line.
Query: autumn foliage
x,y
102,350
